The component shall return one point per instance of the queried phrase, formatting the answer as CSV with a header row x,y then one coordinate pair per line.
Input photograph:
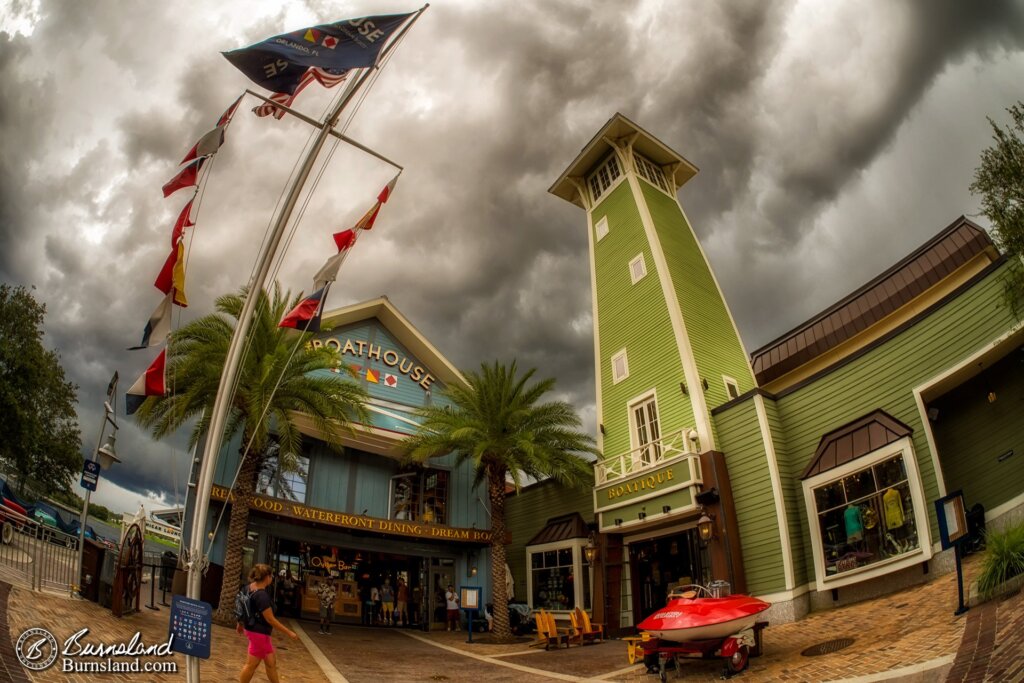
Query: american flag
x,y
322,76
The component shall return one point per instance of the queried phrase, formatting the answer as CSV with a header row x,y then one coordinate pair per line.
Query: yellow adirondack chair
x,y
588,632
552,634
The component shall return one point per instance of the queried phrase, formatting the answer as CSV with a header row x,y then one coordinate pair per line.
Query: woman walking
x,y
259,624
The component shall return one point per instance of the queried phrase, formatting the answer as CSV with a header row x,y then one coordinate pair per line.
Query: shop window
x,y
559,578
649,172
420,496
604,177
637,269
866,515
646,431
287,482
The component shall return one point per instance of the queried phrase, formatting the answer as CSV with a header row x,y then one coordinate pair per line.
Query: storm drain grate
x,y
828,647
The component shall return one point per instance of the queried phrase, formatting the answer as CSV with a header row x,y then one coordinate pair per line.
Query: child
x,y
257,628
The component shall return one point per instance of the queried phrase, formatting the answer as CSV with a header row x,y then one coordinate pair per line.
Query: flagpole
x,y
197,560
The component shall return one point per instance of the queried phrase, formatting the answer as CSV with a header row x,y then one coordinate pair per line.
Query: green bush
x,y
1003,560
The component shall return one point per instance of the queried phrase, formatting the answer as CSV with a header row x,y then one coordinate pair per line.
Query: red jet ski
x,y
688,617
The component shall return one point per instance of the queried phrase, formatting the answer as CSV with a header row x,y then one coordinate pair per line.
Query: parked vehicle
x,y
51,522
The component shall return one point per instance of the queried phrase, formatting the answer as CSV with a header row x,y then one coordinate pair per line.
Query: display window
x,y
420,495
867,515
288,481
559,576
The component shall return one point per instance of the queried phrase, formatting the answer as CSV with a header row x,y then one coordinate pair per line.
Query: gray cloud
x,y
831,141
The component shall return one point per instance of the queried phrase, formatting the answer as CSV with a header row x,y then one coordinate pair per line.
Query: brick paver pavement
x,y
915,628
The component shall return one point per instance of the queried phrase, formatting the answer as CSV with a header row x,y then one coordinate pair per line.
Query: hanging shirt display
x,y
854,524
892,508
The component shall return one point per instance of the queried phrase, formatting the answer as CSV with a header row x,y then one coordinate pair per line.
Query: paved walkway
x,y
912,636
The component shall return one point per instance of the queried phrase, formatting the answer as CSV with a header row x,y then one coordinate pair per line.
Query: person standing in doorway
x,y
375,610
387,597
327,593
402,607
452,603
258,626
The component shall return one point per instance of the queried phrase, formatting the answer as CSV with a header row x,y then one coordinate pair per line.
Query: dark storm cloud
x,y
783,106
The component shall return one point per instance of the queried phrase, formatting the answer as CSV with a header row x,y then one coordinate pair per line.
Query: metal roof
x,y
953,247
561,529
860,437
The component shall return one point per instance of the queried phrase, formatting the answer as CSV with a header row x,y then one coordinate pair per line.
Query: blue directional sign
x,y
90,475
190,626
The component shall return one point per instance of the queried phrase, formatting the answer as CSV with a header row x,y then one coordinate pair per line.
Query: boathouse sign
x,y
344,520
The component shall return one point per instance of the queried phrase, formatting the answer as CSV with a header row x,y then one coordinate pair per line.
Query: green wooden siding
x,y
528,511
793,494
717,348
884,377
747,462
634,317
981,444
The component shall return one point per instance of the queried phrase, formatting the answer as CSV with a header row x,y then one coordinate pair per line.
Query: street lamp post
x,y
106,457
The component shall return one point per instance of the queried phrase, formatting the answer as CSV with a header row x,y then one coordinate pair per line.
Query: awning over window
x,y
561,529
860,437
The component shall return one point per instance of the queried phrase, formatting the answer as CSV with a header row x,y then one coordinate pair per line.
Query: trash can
x,y
168,563
92,565
107,573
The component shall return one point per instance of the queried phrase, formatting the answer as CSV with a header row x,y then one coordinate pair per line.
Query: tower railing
x,y
653,454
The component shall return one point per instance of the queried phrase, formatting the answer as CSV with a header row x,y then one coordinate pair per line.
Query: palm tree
x,y
496,422
274,384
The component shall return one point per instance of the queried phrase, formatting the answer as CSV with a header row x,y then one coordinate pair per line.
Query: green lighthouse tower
x,y
666,348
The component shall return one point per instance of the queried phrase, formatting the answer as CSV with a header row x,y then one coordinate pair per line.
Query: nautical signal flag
x,y
212,141
324,77
158,327
328,272
373,376
390,380
278,63
186,177
345,239
184,221
306,316
172,275
153,382
366,222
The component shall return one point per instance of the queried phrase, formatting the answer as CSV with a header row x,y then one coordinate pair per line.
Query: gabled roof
x,y
397,324
961,241
851,441
618,127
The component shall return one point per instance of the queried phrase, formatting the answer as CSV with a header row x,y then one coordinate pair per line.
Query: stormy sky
x,y
832,139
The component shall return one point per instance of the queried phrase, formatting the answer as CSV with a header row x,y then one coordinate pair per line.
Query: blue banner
x,y
90,475
190,625
278,63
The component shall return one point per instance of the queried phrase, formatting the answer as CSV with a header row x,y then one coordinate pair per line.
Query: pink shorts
x,y
259,644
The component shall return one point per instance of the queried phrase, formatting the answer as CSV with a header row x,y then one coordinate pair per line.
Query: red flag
x,y
212,141
345,239
366,222
225,118
186,177
184,221
151,383
306,316
172,275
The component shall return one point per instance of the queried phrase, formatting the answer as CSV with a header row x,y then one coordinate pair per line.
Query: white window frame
x,y
606,177
579,564
638,260
601,228
634,436
650,171
731,382
904,447
625,364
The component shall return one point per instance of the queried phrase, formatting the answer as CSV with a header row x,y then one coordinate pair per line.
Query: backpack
x,y
243,609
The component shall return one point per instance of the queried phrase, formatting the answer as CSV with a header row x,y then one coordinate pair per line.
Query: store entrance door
x,y
442,574
659,565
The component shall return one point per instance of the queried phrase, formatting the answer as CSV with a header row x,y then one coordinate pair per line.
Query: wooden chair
x,y
588,632
552,634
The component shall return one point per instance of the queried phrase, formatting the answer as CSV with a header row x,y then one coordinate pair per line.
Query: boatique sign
x,y
345,520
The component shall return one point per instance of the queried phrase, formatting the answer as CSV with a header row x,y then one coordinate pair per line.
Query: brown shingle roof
x,y
860,437
922,269
561,529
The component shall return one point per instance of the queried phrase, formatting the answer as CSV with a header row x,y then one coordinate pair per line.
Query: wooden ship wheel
x,y
128,579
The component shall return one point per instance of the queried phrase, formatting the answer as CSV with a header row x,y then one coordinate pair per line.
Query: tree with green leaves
x,y
275,386
1000,183
41,440
497,422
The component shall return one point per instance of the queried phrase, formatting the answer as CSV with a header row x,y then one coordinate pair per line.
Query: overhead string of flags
x,y
286,65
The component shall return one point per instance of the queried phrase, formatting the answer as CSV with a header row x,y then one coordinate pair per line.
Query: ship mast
x,y
197,559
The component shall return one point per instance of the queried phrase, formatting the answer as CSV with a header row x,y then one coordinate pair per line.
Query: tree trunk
x,y
499,594
237,528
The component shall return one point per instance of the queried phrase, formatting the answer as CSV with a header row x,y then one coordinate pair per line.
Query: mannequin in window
x,y
892,507
854,524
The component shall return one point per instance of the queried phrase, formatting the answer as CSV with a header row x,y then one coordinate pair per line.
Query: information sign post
x,y
952,530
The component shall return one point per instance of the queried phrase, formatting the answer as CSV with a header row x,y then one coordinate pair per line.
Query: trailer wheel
x,y
6,533
738,661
